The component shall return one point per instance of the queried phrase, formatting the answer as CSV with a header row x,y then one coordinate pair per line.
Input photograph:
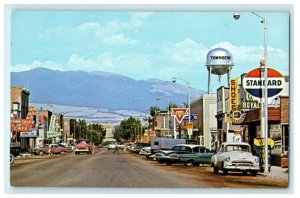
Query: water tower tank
x,y
219,61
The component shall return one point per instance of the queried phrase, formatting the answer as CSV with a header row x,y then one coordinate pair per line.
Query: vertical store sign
x,y
234,94
234,114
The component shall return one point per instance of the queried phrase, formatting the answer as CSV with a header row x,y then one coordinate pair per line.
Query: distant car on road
x,y
235,156
83,146
112,145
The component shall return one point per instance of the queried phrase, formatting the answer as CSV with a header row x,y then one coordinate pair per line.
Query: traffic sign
x,y
189,125
179,113
192,117
254,82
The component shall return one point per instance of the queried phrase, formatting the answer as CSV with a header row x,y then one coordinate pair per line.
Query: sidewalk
x,y
277,172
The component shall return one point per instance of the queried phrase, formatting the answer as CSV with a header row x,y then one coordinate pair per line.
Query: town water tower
x,y
218,62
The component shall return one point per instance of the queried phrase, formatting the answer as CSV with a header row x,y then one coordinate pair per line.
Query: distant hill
x,y
98,89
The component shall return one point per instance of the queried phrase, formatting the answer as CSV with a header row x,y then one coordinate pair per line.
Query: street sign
x,y
192,117
179,113
189,125
254,82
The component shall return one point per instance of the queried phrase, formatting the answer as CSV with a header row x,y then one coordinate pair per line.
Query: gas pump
x,y
259,148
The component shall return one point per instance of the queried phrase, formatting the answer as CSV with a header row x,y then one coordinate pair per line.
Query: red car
x,y
42,150
59,148
53,149
83,145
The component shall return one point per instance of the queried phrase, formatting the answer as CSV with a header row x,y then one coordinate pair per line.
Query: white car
x,y
146,151
235,156
112,146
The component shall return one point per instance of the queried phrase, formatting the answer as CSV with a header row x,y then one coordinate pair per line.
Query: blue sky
x,y
145,45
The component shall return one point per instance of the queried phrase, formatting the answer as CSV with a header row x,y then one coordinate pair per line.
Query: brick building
x,y
19,110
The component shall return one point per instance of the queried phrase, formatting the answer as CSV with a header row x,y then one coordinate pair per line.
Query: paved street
x,y
105,169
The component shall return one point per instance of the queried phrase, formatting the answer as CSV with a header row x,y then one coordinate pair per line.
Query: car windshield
x,y
82,142
230,148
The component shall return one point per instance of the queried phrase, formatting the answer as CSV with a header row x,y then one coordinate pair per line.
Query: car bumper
x,y
241,168
81,150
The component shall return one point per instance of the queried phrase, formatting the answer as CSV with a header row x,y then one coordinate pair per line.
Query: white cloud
x,y
119,39
193,54
111,31
185,52
35,64
129,64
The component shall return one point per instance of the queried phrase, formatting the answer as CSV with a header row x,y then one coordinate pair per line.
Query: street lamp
x,y
189,100
168,118
264,106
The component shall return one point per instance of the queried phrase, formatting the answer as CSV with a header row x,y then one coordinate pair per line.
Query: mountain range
x,y
99,90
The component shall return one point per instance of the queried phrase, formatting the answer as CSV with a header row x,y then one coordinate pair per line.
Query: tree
x,y
128,129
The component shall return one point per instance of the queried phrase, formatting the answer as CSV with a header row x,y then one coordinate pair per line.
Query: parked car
x,y
171,156
60,148
137,146
14,152
235,156
165,156
146,151
83,146
276,153
73,146
201,156
159,143
42,150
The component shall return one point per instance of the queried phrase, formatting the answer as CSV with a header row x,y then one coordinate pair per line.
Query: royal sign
x,y
254,82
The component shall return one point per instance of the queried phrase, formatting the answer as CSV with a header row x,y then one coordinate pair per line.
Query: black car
x,y
14,152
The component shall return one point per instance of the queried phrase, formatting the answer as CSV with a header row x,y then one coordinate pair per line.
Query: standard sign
x,y
254,82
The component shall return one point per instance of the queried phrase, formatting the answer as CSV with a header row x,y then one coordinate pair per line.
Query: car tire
x,y
189,163
216,170
244,172
225,172
12,159
41,153
147,156
254,173
169,163
62,152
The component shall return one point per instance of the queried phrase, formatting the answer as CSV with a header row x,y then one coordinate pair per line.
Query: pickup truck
x,y
194,159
